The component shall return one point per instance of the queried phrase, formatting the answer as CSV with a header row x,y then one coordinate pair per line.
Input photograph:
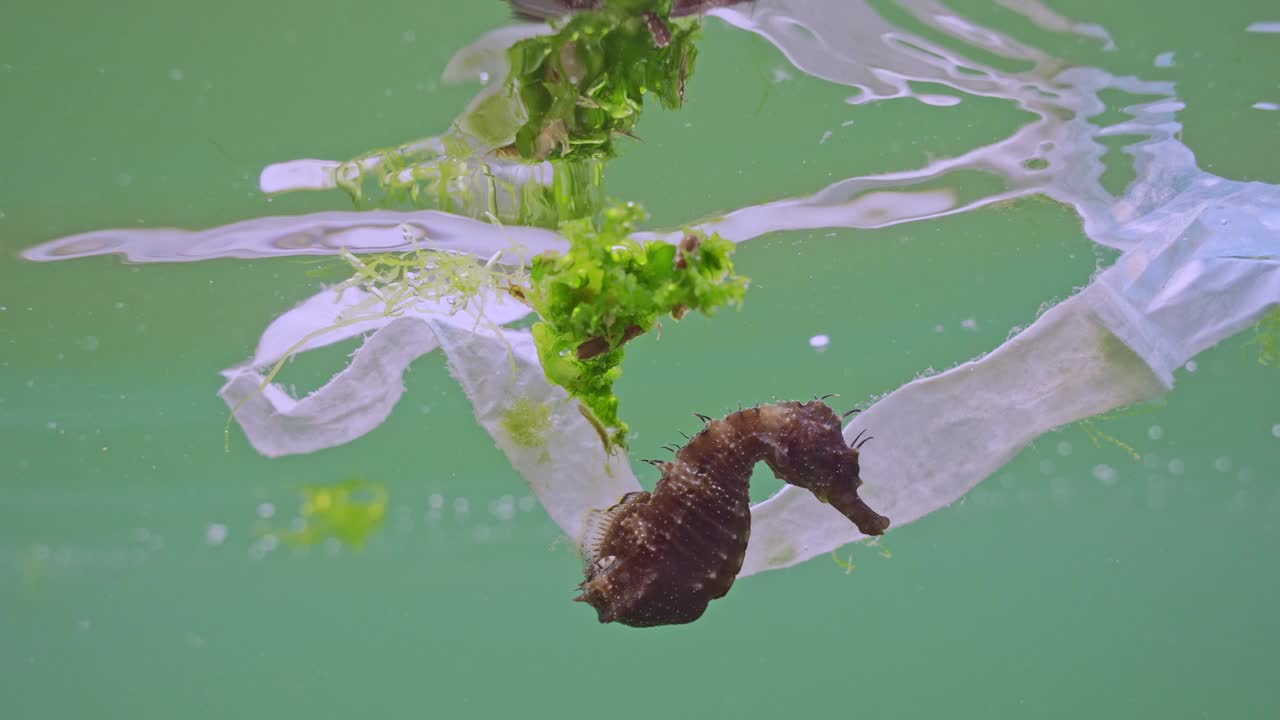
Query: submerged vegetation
x,y
608,289
527,423
531,149
349,511
586,84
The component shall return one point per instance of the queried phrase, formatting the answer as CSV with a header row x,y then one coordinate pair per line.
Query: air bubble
x,y
819,342
1222,464
266,510
1177,467
504,508
215,534
1064,448
1155,432
1105,473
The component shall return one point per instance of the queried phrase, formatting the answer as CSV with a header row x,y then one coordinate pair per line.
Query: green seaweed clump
x,y
586,84
350,511
608,289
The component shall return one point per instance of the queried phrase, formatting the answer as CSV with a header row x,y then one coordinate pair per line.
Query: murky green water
x,y
1077,581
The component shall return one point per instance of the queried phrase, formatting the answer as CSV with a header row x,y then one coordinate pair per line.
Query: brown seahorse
x,y
659,558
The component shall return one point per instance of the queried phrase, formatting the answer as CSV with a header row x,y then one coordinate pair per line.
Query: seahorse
x,y
659,558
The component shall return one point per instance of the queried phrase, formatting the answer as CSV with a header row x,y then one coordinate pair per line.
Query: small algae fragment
x,y
396,281
782,555
845,563
350,511
1099,437
607,290
1266,338
527,423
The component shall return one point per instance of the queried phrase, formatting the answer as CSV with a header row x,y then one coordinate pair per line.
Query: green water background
x,y
1046,593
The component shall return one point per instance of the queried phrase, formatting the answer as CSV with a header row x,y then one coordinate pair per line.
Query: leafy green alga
x,y
608,289
586,84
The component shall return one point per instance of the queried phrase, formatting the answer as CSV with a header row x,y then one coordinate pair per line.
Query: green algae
x,y
565,100
349,511
586,85
1266,339
608,289
527,423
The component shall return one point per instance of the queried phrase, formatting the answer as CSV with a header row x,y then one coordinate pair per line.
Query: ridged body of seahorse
x,y
659,558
